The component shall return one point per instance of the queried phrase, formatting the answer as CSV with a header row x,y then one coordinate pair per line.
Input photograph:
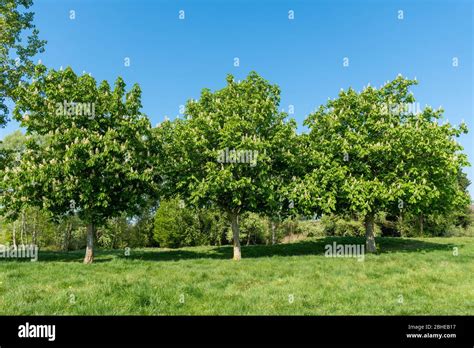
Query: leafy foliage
x,y
243,115
367,152
178,226
96,166
16,56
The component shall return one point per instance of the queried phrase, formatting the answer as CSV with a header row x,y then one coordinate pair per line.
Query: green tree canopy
x,y
94,159
16,55
230,150
370,151
11,148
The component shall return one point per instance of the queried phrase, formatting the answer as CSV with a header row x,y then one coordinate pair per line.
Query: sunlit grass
x,y
408,276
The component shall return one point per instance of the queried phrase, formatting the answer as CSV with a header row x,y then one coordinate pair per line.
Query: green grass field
x,y
408,277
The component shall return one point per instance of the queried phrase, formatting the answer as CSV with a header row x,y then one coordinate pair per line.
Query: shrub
x,y
310,228
388,225
214,226
254,229
178,226
335,225
175,226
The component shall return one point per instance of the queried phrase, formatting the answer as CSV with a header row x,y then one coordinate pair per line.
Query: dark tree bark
x,y
421,223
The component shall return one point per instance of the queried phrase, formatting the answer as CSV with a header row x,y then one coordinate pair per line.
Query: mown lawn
x,y
408,276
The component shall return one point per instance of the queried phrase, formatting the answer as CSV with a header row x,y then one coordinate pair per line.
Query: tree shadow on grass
x,y
307,247
75,256
407,245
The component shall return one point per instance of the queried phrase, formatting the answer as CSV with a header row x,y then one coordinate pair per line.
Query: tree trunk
x,y
273,232
67,236
248,238
14,234
34,233
421,224
236,232
23,229
400,224
370,233
90,244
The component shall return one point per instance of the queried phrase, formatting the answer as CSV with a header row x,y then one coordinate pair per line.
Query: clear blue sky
x,y
174,59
